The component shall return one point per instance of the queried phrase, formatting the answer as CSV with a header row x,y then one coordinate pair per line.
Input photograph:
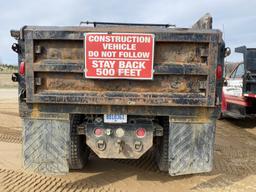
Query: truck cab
x,y
239,90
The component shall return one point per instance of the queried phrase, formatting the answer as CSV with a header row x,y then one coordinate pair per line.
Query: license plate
x,y
115,118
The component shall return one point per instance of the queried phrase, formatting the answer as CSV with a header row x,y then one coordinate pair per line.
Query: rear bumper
x,y
251,95
119,141
238,116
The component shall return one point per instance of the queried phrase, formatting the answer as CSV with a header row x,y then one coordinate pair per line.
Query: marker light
x,y
219,72
22,68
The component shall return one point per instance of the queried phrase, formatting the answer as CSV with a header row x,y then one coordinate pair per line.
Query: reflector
x,y
140,132
219,72
22,68
98,132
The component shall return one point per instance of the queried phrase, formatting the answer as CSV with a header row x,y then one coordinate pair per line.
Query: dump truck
x,y
119,90
239,88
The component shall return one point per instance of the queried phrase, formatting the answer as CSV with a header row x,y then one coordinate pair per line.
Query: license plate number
x,y
115,118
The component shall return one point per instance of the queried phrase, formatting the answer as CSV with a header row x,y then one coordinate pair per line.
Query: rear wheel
x,y
79,151
163,146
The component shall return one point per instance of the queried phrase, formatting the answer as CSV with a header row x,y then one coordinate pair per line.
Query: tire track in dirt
x,y
225,176
146,163
9,113
234,153
20,181
10,135
234,162
10,138
228,160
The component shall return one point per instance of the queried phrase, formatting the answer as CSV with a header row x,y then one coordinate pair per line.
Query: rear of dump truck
x,y
71,104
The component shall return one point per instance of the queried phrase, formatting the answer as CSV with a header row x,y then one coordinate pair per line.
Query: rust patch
x,y
165,52
35,111
180,53
63,82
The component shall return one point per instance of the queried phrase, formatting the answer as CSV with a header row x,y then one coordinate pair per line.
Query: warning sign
x,y
119,55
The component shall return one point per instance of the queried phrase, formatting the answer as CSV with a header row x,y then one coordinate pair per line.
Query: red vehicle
x,y
239,89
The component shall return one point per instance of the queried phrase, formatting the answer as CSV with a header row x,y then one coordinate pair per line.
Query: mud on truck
x,y
119,90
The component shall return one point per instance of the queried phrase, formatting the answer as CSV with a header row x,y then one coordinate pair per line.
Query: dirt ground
x,y
5,81
234,163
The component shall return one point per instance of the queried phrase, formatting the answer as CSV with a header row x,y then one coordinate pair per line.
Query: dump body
x,y
184,69
184,90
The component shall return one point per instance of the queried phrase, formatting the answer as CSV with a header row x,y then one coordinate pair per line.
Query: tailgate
x,y
184,69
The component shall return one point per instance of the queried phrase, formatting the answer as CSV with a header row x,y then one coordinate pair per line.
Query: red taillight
x,y
98,132
22,68
141,132
219,72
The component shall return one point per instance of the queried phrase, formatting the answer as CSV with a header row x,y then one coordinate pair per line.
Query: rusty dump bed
x,y
185,62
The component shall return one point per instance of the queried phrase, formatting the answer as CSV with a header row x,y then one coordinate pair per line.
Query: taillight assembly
x,y
22,68
140,132
98,132
219,72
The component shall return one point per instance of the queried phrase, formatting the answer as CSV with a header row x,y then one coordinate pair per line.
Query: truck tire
x,y
79,151
163,147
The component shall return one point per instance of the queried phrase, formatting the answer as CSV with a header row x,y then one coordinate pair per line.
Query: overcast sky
x,y
236,17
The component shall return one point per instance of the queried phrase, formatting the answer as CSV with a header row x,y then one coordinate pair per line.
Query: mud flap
x,y
46,145
190,146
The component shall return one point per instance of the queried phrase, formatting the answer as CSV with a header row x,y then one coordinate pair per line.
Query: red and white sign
x,y
119,55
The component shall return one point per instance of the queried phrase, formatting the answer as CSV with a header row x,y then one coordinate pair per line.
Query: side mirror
x,y
15,77
225,82
227,51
